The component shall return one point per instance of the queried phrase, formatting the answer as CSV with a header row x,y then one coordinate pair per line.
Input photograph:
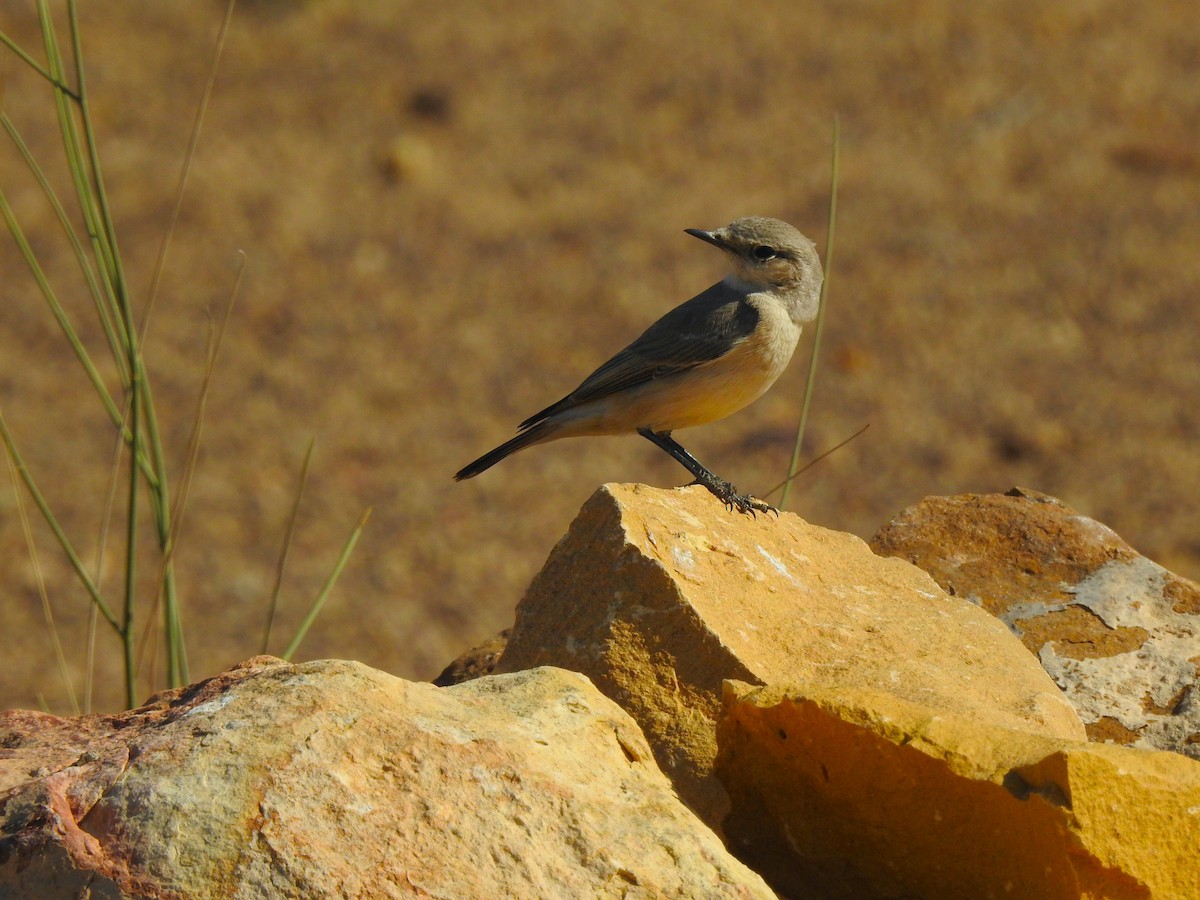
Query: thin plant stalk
x,y
56,308
189,467
189,154
281,564
63,541
97,197
89,679
83,163
811,380
47,610
327,587
177,667
134,413
101,546
33,63
816,459
107,322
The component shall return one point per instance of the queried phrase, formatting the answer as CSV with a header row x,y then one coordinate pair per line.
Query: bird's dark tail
x,y
539,432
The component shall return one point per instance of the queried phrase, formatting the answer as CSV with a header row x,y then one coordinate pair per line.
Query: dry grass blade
x,y
108,322
820,326
40,501
35,65
110,497
281,565
185,482
47,611
93,199
816,459
56,309
188,156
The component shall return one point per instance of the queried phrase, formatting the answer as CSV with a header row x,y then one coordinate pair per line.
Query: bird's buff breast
x,y
705,393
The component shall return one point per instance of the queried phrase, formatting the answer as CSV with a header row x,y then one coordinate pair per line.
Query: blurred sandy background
x,y
452,212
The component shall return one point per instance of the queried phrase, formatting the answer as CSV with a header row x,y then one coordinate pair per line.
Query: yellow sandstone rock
x,y
659,595
842,793
331,779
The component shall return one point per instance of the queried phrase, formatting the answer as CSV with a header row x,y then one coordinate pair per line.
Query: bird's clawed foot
x,y
743,503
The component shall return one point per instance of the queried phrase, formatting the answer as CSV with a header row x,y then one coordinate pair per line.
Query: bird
x,y
702,361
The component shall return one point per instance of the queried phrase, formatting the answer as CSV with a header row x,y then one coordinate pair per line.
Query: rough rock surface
x,y
841,793
1117,632
330,779
474,663
659,595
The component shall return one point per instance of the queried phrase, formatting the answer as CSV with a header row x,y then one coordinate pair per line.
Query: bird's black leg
x,y
721,489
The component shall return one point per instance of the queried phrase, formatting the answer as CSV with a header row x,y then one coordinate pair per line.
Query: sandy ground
x,y
451,213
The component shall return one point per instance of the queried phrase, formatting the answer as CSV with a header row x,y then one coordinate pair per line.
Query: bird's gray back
x,y
698,331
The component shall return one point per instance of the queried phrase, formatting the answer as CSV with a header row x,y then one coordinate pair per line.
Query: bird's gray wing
x,y
701,330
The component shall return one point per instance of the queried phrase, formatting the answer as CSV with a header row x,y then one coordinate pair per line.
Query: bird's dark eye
x,y
762,251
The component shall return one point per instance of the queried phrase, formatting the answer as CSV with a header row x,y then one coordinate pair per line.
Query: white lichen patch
x,y
1157,674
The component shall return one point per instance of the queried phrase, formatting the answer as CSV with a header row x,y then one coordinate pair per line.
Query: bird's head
x,y
767,254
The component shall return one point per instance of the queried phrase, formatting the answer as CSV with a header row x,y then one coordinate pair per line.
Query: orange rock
x,y
659,595
843,793
474,663
1117,632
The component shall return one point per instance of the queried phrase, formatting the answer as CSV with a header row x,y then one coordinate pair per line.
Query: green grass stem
x,y
327,587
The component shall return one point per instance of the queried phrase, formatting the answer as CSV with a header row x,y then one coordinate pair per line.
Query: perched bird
x,y
702,361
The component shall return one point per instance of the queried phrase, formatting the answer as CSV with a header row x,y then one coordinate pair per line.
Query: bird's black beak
x,y
708,237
